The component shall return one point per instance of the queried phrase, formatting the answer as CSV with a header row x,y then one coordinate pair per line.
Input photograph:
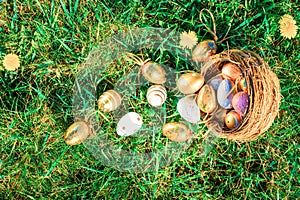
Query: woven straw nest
x,y
264,93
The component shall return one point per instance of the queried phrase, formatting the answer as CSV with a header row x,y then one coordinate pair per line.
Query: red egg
x,y
231,71
240,103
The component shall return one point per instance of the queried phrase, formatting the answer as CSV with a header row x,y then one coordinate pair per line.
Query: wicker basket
x,y
264,93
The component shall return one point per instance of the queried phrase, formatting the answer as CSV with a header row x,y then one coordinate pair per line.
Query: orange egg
x,y
231,71
233,120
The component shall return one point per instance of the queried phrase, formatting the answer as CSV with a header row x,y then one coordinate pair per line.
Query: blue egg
x,y
224,94
215,82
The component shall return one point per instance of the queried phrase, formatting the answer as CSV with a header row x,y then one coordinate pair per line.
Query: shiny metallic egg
x,y
206,99
177,131
242,84
225,94
77,133
109,101
233,120
204,50
230,70
190,83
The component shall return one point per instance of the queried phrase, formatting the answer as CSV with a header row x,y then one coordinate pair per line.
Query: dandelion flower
x,y
287,26
11,62
188,40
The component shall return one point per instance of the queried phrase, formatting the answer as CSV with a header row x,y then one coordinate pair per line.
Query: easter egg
x,y
231,71
240,102
77,133
215,82
188,109
219,115
206,99
177,131
109,101
233,120
154,73
190,83
203,50
225,94
156,95
243,85
129,124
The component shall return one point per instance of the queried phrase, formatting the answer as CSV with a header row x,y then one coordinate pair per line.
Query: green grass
x,y
53,38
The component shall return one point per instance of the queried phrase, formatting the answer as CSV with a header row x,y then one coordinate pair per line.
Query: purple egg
x,y
224,93
240,102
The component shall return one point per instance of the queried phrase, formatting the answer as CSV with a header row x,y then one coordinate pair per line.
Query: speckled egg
x,y
129,124
240,103
206,99
225,94
231,71
233,120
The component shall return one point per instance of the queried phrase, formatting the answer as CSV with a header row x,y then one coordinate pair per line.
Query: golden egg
x,y
203,50
231,71
177,131
206,99
233,120
154,73
190,83
109,101
77,133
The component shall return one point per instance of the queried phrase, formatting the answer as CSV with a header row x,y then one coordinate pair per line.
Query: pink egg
x,y
240,103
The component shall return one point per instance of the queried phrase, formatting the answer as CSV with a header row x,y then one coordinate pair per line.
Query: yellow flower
x,y
11,62
188,40
287,26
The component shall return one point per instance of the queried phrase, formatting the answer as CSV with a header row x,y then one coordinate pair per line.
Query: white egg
x,y
129,124
156,95
188,109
